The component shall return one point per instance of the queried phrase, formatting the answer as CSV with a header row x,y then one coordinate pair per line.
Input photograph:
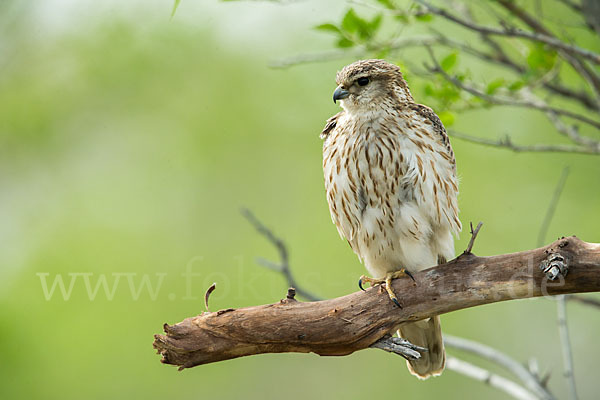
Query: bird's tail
x,y
426,333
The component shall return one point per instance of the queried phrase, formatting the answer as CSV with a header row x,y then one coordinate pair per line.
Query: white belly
x,y
380,195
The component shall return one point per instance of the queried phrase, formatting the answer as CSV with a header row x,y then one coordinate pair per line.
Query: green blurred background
x,y
130,141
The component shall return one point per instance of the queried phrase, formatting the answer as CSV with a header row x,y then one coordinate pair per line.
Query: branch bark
x,y
354,322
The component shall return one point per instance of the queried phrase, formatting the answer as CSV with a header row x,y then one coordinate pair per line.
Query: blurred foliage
x,y
514,68
128,148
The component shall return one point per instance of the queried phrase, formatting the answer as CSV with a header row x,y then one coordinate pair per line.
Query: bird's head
x,y
367,84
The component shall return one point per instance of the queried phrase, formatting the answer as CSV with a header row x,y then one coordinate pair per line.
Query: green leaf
x,y
383,53
516,85
389,4
447,118
402,18
540,58
449,61
354,25
428,89
175,5
345,42
494,85
328,28
424,17
375,23
351,22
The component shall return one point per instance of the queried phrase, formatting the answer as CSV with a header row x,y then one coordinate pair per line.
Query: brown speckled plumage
x,y
390,176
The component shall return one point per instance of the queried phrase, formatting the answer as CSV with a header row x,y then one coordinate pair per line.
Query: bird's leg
x,y
388,282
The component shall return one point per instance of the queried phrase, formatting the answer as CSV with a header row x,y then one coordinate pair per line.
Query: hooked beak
x,y
340,94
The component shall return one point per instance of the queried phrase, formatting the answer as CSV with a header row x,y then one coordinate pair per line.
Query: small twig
x,y
552,207
565,342
283,267
585,300
291,294
507,143
571,132
401,43
572,4
529,380
561,309
506,101
494,380
571,57
207,295
473,237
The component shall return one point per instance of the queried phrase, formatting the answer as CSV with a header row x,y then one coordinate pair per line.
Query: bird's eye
x,y
362,81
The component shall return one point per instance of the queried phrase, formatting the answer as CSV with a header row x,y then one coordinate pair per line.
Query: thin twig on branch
x,y
507,143
494,380
514,367
474,233
354,322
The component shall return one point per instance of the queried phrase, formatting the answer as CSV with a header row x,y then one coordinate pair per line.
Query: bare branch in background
x,y
397,44
563,330
283,267
511,101
552,206
585,300
531,381
561,305
496,381
516,33
569,56
507,143
588,145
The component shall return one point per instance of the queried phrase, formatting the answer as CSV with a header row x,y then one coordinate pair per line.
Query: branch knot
x,y
554,265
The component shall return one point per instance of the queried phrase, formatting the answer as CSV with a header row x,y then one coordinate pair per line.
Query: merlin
x,y
390,178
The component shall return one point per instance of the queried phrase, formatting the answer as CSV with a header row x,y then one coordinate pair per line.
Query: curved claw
x,y
396,302
407,272
360,285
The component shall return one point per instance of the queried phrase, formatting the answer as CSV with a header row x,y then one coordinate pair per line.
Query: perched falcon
x,y
392,189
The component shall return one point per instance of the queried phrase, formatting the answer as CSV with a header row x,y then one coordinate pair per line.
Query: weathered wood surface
x,y
354,322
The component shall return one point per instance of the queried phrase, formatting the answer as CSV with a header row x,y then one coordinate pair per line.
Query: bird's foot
x,y
388,282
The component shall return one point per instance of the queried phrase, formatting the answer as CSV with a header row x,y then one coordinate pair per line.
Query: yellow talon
x,y
388,282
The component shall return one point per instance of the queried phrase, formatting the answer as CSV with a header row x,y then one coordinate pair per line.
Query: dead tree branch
x,y
354,322
284,266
